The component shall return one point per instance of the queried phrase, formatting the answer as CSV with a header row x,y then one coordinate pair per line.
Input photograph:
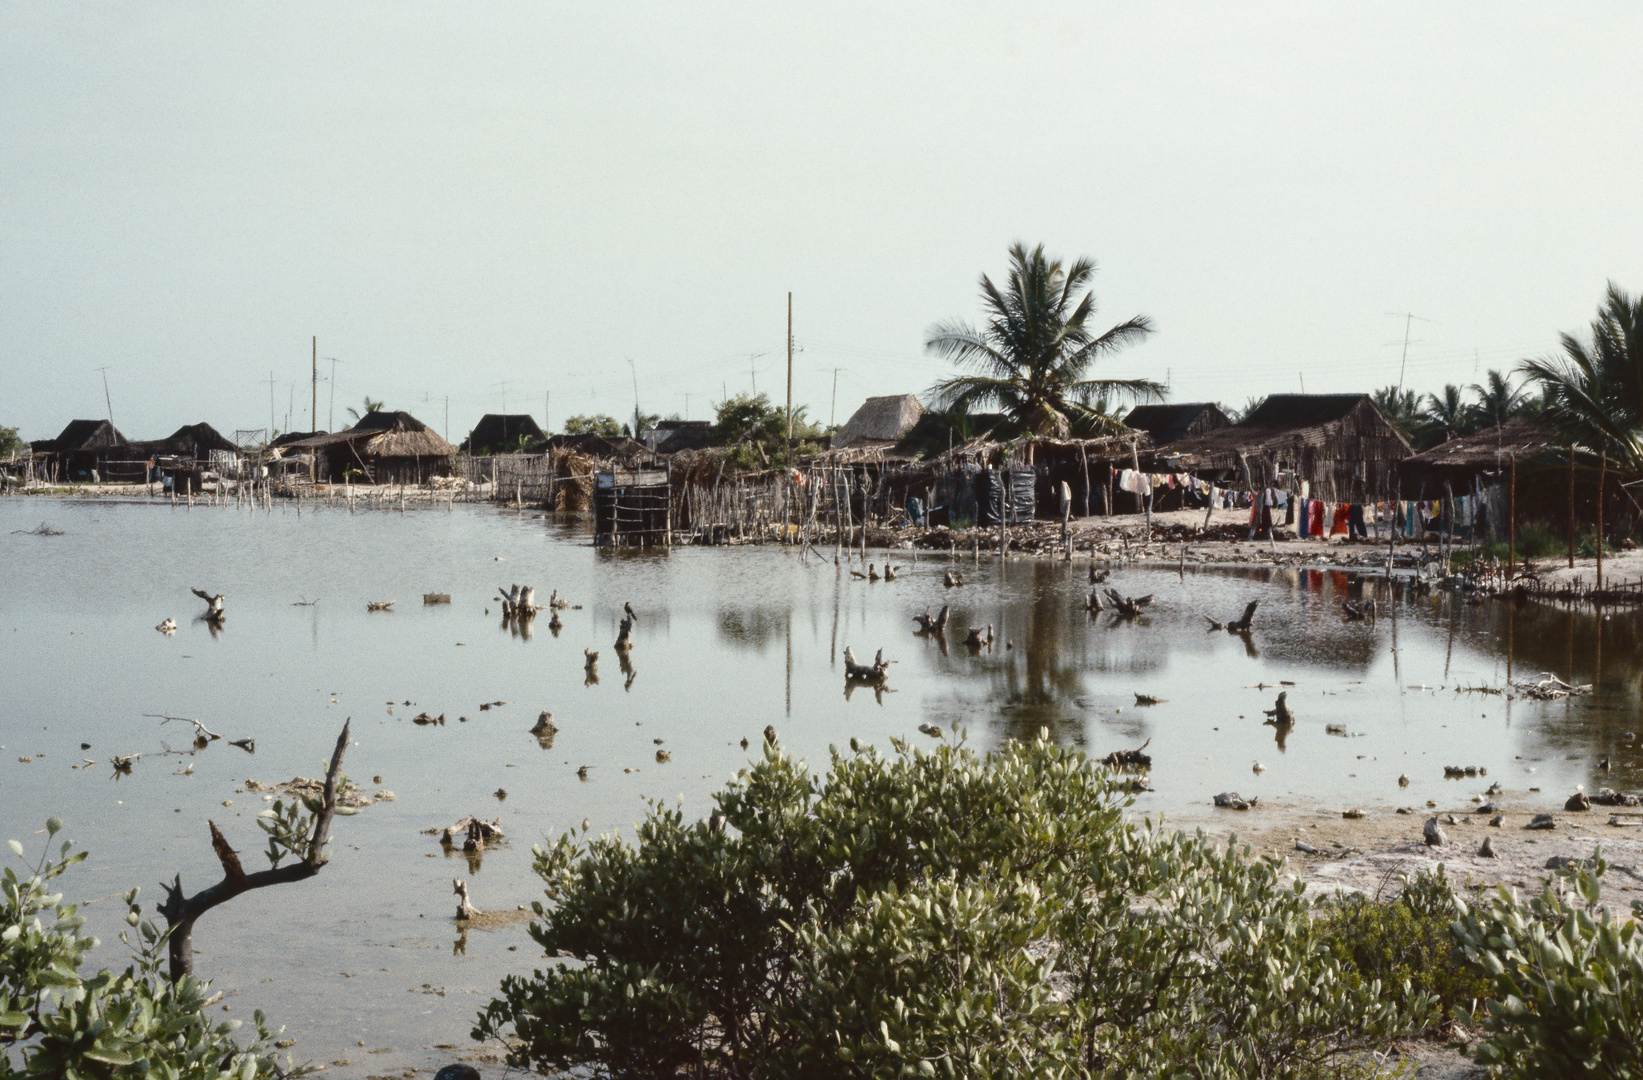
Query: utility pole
x,y
790,371
313,402
109,401
635,373
331,417
1408,319
833,409
271,406
547,400
447,418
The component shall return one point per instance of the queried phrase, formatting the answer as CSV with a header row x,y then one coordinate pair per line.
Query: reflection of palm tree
x,y
371,406
1031,360
1595,393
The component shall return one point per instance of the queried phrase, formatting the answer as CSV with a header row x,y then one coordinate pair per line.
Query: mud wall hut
x,y
80,449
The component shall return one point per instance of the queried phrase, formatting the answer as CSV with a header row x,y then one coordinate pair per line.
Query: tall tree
x,y
1498,400
1031,361
1402,409
371,405
1594,393
1446,416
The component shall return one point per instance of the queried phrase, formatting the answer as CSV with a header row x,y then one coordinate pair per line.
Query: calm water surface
x,y
366,957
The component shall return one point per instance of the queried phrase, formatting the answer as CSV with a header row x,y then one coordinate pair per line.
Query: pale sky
x,y
490,203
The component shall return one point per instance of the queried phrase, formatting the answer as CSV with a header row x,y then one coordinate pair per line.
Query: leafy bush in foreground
x,y
930,914
60,1023
1406,939
1568,980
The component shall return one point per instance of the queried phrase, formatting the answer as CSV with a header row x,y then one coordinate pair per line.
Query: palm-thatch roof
x,y
388,434
195,441
86,435
501,432
1171,423
886,419
1521,437
1338,443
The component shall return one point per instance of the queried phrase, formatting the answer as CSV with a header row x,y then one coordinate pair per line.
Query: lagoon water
x,y
364,963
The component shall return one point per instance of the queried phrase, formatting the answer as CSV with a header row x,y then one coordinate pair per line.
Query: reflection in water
x,y
624,660
459,947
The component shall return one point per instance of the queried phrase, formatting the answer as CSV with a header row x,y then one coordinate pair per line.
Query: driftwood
x,y
1127,606
1433,833
1129,759
1148,699
927,625
556,601
930,730
876,672
436,598
1239,625
213,604
475,833
952,580
1355,610
624,635
520,600
1098,577
1233,801
378,605
590,659
1550,688
544,724
1280,714
979,637
181,912
168,627
1095,603
464,909
889,572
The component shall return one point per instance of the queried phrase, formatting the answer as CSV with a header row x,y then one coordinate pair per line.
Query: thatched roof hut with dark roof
x,y
880,419
82,445
1339,445
384,447
500,433
1171,423
1485,455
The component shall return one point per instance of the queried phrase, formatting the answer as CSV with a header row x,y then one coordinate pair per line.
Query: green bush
x,y
60,1023
1567,979
1405,940
940,914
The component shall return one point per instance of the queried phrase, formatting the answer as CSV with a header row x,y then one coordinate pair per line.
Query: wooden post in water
x,y
1511,518
1602,475
1571,504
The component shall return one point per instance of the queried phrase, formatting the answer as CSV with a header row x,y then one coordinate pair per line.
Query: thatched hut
x,y
503,433
383,448
1338,446
1166,424
881,421
80,449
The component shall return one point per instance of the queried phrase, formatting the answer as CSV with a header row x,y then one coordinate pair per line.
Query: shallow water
x,y
366,957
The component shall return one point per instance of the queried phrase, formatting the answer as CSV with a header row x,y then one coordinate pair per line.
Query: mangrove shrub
x,y
929,914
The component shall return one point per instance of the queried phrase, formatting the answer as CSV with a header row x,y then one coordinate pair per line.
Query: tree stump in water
x,y
876,672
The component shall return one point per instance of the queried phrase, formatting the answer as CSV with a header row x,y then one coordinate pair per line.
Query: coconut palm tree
x,y
1498,400
1402,409
371,406
1032,359
1447,416
1595,393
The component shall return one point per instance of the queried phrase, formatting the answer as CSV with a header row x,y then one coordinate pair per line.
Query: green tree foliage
x,y
56,1021
756,432
1498,400
369,405
1402,410
599,424
1594,392
929,914
1032,360
1567,979
10,442
1446,416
